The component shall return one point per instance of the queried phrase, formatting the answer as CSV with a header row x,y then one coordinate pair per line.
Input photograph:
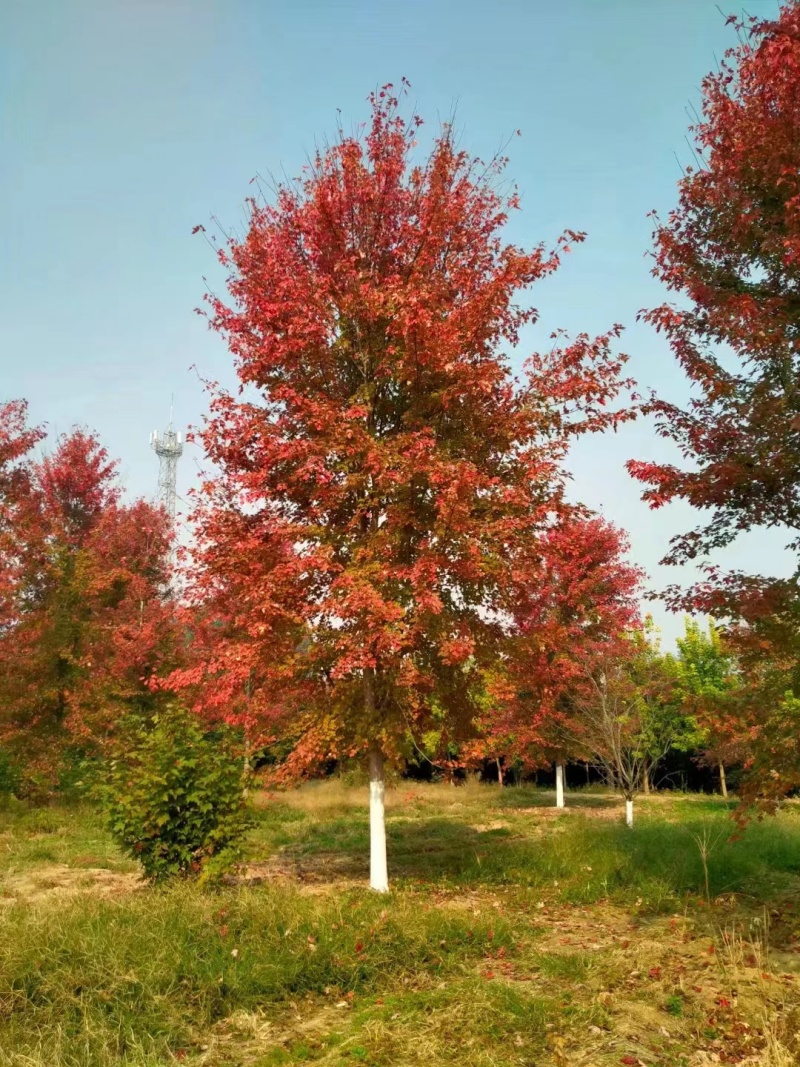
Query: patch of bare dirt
x,y
321,872
59,880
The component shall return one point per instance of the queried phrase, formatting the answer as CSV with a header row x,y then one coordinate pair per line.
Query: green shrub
x,y
175,799
78,775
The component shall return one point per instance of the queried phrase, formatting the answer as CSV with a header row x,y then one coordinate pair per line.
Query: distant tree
x,y
756,723
575,598
706,677
381,473
626,706
731,249
87,618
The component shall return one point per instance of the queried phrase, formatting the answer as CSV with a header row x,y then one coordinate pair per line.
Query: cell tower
x,y
168,446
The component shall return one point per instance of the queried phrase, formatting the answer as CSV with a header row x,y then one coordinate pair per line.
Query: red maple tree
x,y
731,248
381,474
86,614
574,604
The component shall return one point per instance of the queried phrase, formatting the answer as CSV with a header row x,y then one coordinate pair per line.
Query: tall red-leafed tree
x,y
382,474
88,620
731,249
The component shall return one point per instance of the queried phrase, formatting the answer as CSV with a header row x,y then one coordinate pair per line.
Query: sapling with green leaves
x,y
706,673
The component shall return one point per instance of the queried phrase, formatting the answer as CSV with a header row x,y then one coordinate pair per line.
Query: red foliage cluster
x,y
731,248
385,492
574,606
84,614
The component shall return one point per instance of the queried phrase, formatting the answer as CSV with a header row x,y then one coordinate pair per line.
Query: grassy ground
x,y
514,935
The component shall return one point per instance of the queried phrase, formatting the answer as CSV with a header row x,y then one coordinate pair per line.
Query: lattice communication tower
x,y
168,446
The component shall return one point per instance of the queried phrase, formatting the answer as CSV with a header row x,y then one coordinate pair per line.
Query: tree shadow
x,y
581,859
526,798
425,850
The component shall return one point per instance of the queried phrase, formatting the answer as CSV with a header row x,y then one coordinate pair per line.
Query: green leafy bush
x,y
175,798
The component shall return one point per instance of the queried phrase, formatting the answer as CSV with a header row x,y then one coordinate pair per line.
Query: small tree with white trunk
x,y
620,709
613,728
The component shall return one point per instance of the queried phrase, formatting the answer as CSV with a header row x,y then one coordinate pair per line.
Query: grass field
x,y
514,935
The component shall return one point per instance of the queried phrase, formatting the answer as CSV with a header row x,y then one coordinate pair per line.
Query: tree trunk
x,y
629,814
378,872
559,783
646,782
499,770
246,767
723,784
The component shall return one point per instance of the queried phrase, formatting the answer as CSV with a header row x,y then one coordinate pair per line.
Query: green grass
x,y
514,935
151,970
493,837
72,835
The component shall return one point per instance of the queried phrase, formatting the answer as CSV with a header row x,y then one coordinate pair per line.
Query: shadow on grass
x,y
513,797
579,860
427,850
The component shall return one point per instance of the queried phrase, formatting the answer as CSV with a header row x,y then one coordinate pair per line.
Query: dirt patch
x,y
59,880
318,873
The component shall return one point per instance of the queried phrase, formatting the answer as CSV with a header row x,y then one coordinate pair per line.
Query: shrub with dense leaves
x,y
175,798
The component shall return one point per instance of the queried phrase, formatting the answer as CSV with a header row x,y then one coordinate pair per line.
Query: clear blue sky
x,y
123,123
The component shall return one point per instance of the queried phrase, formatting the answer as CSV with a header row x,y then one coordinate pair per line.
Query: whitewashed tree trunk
x,y
499,771
723,784
378,872
559,783
629,813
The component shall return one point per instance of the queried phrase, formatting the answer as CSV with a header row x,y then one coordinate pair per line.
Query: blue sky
x,y
124,123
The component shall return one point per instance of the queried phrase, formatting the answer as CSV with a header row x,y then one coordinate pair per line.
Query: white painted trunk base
x,y
559,785
629,813
378,871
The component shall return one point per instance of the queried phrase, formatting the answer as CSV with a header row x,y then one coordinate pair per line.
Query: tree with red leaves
x,y
381,475
85,615
732,249
575,601
17,440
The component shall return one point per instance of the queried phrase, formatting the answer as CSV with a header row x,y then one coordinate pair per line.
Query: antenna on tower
x,y
168,446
